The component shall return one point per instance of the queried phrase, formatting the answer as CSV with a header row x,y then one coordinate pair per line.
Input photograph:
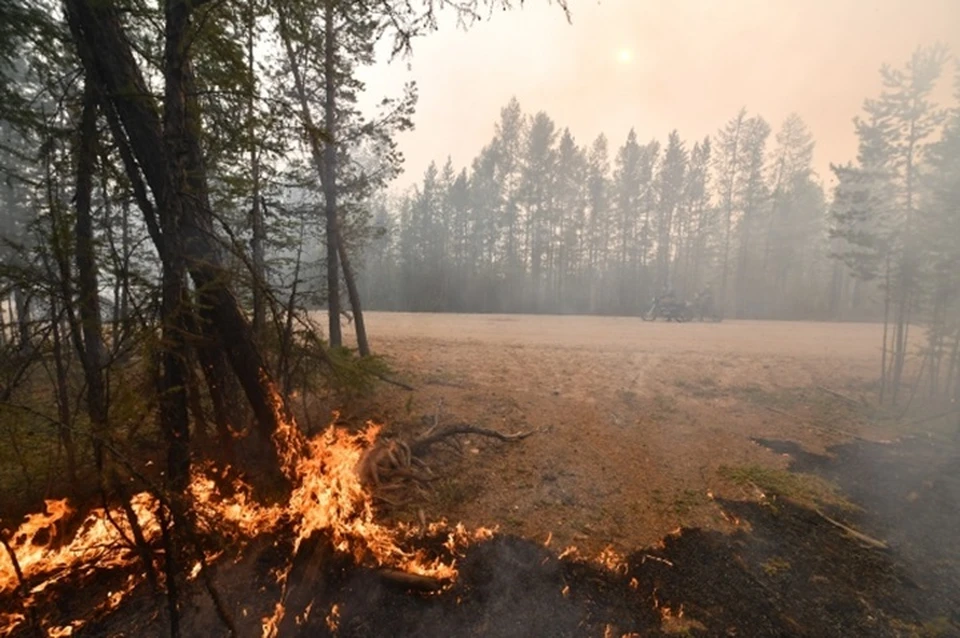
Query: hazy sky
x,y
660,64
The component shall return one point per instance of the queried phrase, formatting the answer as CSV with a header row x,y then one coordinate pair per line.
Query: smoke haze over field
x,y
658,66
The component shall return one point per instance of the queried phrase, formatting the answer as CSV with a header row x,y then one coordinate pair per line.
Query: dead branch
x,y
399,384
436,418
423,444
656,558
860,536
139,541
13,560
410,581
23,588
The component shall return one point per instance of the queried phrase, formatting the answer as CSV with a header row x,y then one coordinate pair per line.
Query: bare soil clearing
x,y
634,419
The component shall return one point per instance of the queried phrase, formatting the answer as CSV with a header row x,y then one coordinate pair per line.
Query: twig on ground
x,y
436,418
860,536
656,558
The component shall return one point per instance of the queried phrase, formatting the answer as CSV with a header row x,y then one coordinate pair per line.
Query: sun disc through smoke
x,y
624,56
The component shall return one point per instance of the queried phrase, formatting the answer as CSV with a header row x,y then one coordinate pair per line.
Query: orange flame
x,y
327,497
613,561
333,618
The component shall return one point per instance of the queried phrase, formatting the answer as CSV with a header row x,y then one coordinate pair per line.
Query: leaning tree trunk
x,y
348,276
108,59
330,186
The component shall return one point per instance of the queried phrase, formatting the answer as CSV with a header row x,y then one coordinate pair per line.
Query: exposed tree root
x,y
393,464
422,445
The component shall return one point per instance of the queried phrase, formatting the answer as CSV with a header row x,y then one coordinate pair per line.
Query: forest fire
x,y
327,498
98,542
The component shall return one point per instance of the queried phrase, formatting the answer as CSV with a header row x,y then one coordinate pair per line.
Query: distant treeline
x,y
542,224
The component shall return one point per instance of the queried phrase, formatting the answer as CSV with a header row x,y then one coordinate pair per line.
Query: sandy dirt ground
x,y
633,421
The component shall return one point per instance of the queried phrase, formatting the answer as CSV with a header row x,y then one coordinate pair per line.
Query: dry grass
x,y
806,489
634,419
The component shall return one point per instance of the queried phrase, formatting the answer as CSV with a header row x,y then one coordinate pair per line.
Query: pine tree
x,y
699,218
599,222
537,196
940,233
670,181
628,184
795,212
752,199
728,166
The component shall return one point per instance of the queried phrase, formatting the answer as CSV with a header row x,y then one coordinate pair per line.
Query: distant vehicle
x,y
668,308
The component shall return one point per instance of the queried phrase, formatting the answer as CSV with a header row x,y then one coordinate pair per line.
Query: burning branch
x,y
411,581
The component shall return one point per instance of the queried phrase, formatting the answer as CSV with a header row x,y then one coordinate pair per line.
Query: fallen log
x,y
860,536
411,581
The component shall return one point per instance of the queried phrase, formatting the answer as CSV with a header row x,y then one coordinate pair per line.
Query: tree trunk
x,y
220,382
886,328
91,352
125,247
362,344
62,395
178,125
22,302
329,177
258,239
325,161
108,59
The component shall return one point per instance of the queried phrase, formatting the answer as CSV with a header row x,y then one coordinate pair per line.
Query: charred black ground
x,y
787,572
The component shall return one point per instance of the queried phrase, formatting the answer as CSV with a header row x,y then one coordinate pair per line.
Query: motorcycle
x,y
669,309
